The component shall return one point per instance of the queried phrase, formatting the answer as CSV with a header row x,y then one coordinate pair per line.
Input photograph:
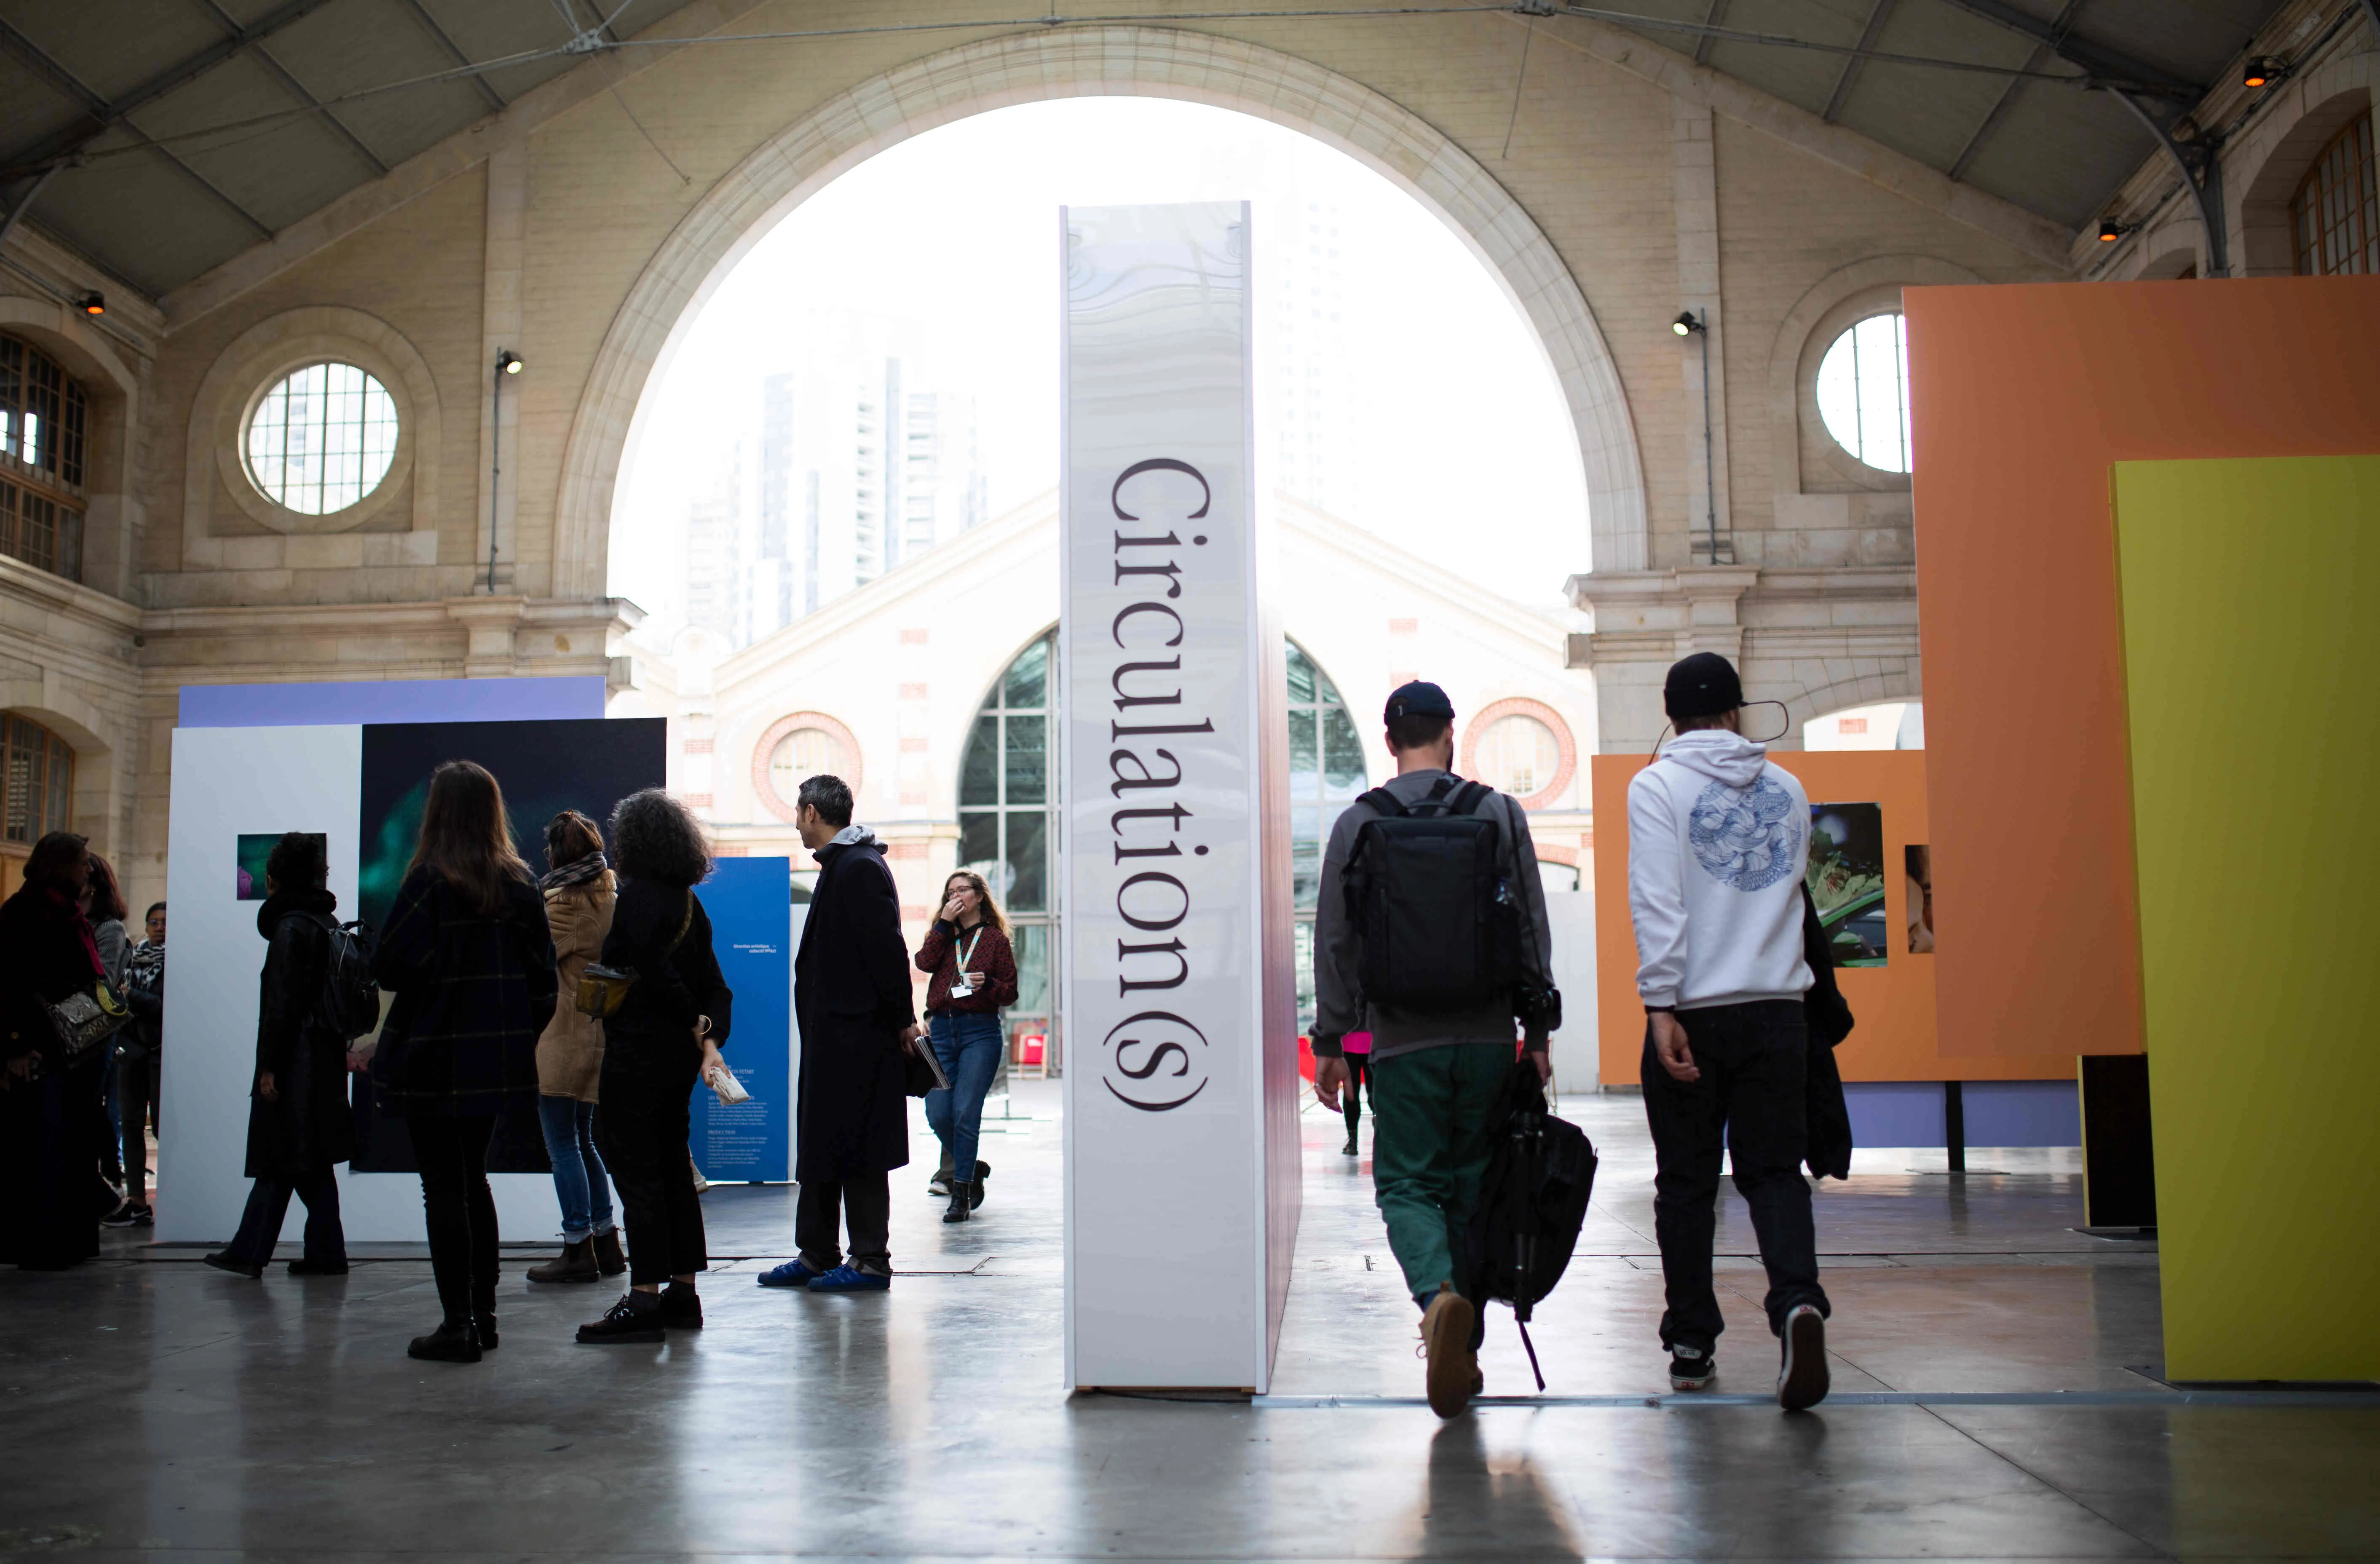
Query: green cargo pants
x,y
1432,1114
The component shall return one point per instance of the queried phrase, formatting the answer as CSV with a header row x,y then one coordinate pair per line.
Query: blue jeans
x,y
569,1126
969,1046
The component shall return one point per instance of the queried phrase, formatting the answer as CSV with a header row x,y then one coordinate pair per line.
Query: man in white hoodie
x,y
1718,843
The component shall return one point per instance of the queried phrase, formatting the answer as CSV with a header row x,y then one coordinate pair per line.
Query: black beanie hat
x,y
1702,685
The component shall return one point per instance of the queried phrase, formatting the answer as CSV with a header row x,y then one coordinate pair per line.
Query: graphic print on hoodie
x,y
1718,843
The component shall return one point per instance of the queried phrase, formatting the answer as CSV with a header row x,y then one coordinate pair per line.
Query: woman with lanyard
x,y
974,977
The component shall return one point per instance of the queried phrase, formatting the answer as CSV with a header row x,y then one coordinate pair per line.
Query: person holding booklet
x,y
974,978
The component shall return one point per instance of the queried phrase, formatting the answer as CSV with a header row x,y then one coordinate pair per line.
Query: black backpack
x,y
1532,1202
1440,926
350,1004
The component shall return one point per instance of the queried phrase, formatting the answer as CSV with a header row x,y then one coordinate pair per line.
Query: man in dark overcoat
x,y
858,1022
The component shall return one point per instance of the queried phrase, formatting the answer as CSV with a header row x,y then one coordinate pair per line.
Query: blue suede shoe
x,y
850,1279
793,1273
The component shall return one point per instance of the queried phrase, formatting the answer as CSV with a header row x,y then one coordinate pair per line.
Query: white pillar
x,y
1176,995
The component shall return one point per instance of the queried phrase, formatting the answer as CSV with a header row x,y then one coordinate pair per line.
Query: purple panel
x,y
1895,1112
2024,1113
393,700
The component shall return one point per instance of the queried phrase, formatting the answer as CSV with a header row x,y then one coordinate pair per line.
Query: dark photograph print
x,y
253,850
1919,861
1847,881
543,768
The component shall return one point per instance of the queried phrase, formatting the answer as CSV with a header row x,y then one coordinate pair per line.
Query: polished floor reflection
x,y
150,1405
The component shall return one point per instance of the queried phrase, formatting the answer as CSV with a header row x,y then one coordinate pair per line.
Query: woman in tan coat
x,y
579,889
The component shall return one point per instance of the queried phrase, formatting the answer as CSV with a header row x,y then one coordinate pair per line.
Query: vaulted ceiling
x,y
175,134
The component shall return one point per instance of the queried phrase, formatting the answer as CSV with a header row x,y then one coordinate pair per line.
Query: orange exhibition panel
x,y
2023,396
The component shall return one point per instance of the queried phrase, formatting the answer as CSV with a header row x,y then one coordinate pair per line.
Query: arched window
x,y
2334,216
36,793
322,437
1007,797
42,413
1326,773
1864,392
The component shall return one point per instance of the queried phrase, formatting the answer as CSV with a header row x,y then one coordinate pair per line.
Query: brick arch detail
x,y
1522,706
1123,61
765,791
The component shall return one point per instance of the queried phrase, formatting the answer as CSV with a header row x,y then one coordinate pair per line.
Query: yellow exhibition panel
x,y
2247,589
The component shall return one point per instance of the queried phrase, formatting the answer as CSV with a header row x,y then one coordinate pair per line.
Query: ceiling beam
x,y
1880,13
438,35
2040,57
105,113
296,90
103,116
2113,65
1708,42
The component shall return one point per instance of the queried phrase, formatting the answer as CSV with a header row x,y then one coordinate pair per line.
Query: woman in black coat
x,y
469,957
664,1038
51,1124
299,1125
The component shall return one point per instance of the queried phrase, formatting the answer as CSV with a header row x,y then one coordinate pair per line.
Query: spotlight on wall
x,y
2110,230
1686,325
509,362
93,303
2261,70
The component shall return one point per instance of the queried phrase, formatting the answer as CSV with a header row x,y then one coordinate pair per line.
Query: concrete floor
x,y
150,1405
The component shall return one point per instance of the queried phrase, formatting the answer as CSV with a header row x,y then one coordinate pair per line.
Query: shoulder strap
x,y
1467,798
685,924
1383,803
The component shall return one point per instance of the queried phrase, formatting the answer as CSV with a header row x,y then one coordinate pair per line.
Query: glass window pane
x,y
1305,962
1029,861
1028,678
1305,765
1343,756
61,786
322,439
1031,943
1305,873
1026,760
24,762
979,769
1863,392
980,850
1301,677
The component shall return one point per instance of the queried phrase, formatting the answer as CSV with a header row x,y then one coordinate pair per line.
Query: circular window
x,y
322,439
1864,392
795,748
1518,755
801,755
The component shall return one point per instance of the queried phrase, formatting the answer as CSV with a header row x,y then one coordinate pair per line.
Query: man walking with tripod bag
x,y
1432,926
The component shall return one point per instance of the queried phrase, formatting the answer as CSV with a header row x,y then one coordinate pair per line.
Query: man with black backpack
x,y
1432,926
1719,844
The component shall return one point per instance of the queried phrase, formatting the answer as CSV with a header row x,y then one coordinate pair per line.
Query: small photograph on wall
x,y
254,849
1919,862
1847,881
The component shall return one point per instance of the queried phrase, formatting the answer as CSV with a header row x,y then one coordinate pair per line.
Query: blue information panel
x,y
749,903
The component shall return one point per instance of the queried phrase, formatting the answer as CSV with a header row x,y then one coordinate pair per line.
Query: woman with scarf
x,y
580,887
50,1122
299,1127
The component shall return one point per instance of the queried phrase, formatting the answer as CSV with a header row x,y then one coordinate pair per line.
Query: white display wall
x,y
228,782
1177,1001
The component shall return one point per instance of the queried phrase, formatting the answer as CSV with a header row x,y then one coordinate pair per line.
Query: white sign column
x,y
1178,1013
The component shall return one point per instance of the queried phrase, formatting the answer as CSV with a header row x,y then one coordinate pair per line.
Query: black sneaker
x,y
1692,1371
1801,1380
126,1216
681,1307
1349,1149
635,1318
145,1217
222,1260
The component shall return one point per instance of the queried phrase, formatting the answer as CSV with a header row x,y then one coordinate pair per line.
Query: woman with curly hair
x,y
663,1038
469,956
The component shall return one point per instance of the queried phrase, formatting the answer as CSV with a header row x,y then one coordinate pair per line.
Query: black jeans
x,y
1359,1071
641,1125
268,1202
136,1095
457,1208
1749,1097
863,1200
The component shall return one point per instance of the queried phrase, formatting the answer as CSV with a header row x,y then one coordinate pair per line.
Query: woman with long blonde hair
x,y
470,960
974,978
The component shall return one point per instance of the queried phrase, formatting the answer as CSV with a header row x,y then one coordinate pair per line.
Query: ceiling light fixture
x,y
1686,325
2261,71
2110,230
91,303
509,362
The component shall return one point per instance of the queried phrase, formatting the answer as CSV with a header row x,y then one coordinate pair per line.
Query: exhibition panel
x,y
755,930
1178,1010
2247,590
2023,396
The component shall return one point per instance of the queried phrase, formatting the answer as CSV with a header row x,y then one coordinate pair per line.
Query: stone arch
x,y
1124,61
2268,162
114,389
1868,689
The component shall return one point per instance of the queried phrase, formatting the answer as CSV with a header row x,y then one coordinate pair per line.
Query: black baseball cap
x,y
1702,685
1420,698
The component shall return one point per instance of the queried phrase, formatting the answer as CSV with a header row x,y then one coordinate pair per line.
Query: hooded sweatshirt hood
x,y
855,836
1719,842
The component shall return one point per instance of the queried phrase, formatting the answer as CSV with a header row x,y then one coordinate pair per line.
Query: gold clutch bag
x,y
603,989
